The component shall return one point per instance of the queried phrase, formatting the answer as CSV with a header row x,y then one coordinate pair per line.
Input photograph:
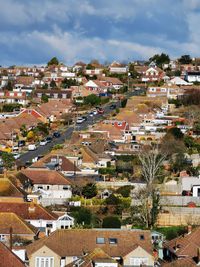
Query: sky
x,y
34,31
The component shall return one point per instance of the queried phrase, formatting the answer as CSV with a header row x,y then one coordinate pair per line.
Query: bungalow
x,y
10,97
55,94
116,67
192,76
127,247
111,82
152,74
95,86
38,216
53,186
21,231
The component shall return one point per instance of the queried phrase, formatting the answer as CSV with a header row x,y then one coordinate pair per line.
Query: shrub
x,y
111,222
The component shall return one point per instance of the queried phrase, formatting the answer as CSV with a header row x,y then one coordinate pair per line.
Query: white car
x,y
95,112
43,143
32,147
80,120
16,155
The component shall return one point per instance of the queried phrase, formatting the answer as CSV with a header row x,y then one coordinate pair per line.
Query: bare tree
x,y
151,161
147,206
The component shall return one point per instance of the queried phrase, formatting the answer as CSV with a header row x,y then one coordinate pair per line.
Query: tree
x,y
67,118
147,210
160,59
171,145
44,98
82,216
67,83
151,161
89,190
9,86
124,190
8,160
92,100
53,61
185,59
176,132
53,84
112,200
111,222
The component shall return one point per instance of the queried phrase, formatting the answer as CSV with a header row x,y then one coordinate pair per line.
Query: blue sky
x,y
33,31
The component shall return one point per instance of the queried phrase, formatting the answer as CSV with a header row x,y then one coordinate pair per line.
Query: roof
x,y
28,211
8,189
180,263
186,245
97,255
85,240
19,226
44,176
8,258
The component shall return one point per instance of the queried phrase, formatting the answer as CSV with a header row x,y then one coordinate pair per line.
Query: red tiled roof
x,y
43,176
8,258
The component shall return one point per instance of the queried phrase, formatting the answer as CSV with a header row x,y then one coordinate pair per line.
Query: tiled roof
x,y
8,189
19,226
186,245
43,176
8,258
96,255
85,240
28,211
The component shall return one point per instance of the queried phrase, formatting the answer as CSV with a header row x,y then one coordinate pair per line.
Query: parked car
x,y
113,106
56,134
95,112
80,120
43,142
16,155
100,111
32,147
49,139
15,148
21,143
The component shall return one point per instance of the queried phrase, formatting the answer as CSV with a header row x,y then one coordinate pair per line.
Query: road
x,y
42,150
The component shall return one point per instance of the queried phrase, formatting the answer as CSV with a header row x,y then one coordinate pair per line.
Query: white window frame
x,y
137,261
2,237
44,262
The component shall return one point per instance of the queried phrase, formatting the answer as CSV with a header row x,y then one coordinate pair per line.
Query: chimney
x,y
189,228
31,208
11,237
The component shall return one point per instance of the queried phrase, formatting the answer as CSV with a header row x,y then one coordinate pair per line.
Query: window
x,y
100,240
49,225
141,237
112,240
65,187
138,261
44,262
2,238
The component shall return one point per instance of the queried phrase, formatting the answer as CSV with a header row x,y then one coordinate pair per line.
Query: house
x,y
178,81
62,247
54,93
52,185
152,74
95,86
10,97
13,225
8,258
111,82
116,67
192,76
183,249
9,192
59,163
38,216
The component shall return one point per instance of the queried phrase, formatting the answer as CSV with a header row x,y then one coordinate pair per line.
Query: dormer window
x,y
100,240
141,237
112,241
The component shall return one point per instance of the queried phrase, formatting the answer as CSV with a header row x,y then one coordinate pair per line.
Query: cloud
x,y
33,31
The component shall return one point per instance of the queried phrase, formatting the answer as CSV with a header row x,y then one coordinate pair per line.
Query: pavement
x,y
42,150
